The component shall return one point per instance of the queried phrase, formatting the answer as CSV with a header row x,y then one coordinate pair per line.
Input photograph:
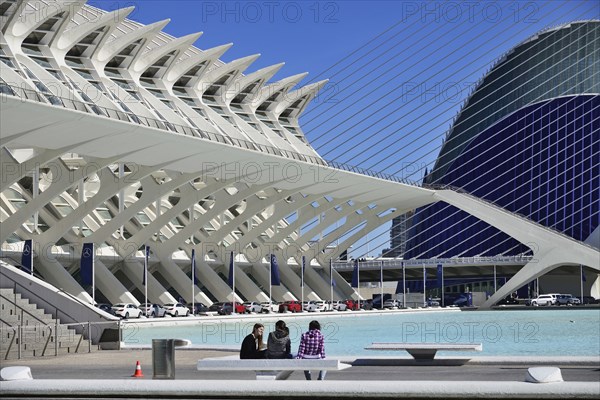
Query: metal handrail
x,y
22,310
12,341
57,101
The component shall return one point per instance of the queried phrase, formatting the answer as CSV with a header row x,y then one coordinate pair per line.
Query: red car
x,y
293,306
351,304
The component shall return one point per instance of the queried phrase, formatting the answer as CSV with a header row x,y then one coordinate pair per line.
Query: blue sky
x,y
398,70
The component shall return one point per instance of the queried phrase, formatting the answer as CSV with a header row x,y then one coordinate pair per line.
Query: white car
x,y
152,310
545,300
269,307
391,304
127,310
176,309
315,305
337,305
253,307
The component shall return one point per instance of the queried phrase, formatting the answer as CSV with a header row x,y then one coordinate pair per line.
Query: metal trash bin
x,y
163,357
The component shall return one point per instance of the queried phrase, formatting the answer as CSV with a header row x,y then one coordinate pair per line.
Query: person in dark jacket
x,y
278,343
253,346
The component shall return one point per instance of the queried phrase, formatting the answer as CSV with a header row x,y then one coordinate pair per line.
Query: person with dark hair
x,y
278,343
312,345
253,346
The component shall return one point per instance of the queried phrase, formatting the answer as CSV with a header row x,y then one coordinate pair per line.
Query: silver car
x,y
567,300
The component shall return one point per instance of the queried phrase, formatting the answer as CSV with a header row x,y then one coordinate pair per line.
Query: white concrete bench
x,y
270,369
425,351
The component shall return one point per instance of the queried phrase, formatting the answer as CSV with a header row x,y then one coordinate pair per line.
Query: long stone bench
x,y
270,369
425,351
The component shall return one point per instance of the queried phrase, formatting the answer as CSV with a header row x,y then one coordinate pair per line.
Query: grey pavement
x,y
120,364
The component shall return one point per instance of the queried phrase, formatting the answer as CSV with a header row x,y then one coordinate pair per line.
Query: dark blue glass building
x,y
527,139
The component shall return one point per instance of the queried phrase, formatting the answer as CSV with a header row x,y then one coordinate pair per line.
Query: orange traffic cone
x,y
138,371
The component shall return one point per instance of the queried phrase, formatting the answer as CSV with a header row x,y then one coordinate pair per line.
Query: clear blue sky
x,y
412,64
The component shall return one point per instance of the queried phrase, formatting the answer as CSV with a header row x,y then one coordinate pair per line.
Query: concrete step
x,y
13,354
28,320
9,293
37,332
77,344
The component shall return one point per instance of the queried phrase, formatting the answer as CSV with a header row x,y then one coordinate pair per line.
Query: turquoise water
x,y
569,332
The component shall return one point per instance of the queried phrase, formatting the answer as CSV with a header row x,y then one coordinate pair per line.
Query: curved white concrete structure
x,y
119,134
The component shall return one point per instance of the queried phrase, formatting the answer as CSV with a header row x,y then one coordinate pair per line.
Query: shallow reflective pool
x,y
565,332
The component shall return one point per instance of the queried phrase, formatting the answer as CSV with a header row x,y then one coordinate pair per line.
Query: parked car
x,y
337,305
268,307
315,306
391,304
588,300
545,300
292,306
176,309
351,304
106,308
508,300
366,304
252,307
321,305
217,307
152,310
226,308
433,303
461,301
240,308
567,300
197,308
126,310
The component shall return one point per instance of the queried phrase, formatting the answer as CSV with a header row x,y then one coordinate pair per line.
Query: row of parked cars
x,y
555,299
152,310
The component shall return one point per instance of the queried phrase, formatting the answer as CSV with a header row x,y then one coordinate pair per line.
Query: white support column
x,y
134,270
110,286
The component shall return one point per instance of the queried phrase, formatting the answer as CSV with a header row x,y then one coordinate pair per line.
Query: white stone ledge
x,y
300,389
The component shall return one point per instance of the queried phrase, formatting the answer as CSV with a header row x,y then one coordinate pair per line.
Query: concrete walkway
x,y
108,373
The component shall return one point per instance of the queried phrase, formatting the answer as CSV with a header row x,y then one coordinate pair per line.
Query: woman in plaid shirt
x,y
312,346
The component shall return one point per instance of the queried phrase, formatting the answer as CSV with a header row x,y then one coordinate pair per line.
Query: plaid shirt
x,y
311,345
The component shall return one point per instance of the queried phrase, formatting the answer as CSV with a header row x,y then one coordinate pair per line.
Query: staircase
x,y
26,331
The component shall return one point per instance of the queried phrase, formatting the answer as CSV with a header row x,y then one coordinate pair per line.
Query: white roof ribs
x,y
179,45
23,25
306,93
263,74
281,87
114,47
74,35
177,70
236,66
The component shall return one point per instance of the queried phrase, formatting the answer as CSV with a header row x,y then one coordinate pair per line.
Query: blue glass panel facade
x,y
541,161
